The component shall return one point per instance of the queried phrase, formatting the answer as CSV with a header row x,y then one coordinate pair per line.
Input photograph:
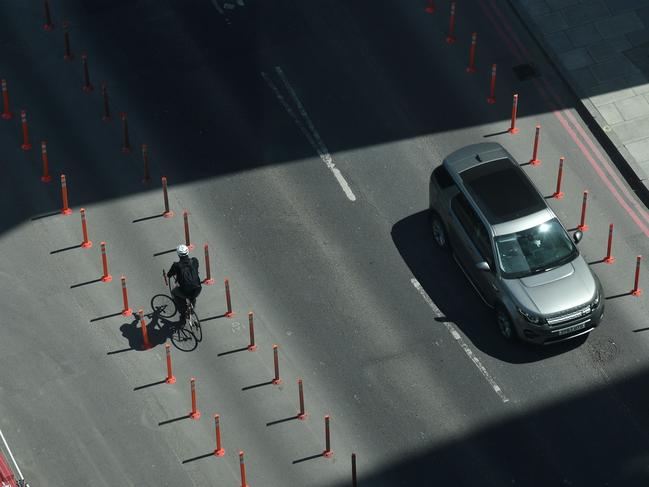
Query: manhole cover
x,y
603,349
525,71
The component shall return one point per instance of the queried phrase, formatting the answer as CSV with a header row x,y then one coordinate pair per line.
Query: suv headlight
x,y
595,302
531,317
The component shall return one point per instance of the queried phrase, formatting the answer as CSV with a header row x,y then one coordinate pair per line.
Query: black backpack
x,y
189,280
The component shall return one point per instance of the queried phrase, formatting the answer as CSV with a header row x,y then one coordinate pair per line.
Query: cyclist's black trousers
x,y
179,298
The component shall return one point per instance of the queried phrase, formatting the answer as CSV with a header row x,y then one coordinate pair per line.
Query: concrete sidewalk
x,y
601,47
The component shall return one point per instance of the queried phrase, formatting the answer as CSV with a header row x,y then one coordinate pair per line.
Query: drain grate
x,y
525,71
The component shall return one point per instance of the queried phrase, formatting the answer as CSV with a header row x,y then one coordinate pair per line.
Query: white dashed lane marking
x,y
304,123
460,341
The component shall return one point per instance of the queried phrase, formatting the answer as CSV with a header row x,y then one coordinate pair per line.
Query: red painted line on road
x,y
6,475
608,168
621,201
520,52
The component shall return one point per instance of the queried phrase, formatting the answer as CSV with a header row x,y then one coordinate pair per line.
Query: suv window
x,y
473,226
442,177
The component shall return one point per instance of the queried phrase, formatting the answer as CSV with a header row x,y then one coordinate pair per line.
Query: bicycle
x,y
190,316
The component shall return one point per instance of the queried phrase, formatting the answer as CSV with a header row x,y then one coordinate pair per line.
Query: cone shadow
x,y
207,455
306,459
84,283
173,420
257,385
148,218
78,246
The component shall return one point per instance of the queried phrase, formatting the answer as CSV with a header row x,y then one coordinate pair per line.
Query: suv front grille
x,y
571,315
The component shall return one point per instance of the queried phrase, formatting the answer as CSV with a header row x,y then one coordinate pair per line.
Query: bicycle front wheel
x,y
195,325
183,339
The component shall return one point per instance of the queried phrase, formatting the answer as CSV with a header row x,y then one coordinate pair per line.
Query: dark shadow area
x,y
119,313
445,283
200,457
640,329
283,420
306,459
148,218
146,386
262,384
174,420
597,437
85,283
78,246
183,46
229,352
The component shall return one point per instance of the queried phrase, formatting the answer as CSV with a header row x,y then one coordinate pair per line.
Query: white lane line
x,y
458,338
309,130
322,149
11,455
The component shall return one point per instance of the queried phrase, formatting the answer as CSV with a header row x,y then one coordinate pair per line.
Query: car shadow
x,y
446,284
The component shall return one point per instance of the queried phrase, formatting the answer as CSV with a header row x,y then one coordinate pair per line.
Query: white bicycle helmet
x,y
182,250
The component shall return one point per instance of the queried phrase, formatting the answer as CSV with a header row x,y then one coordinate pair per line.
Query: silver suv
x,y
512,247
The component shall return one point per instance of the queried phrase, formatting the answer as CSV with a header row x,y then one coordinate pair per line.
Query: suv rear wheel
x,y
438,229
505,324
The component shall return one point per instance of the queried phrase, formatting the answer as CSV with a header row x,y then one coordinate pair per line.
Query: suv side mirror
x,y
577,236
483,266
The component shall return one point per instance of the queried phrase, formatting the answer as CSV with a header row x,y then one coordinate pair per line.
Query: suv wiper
x,y
562,262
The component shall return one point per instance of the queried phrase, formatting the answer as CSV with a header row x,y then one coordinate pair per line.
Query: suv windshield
x,y
534,250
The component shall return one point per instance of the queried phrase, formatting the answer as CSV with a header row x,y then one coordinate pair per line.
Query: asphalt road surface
x,y
300,137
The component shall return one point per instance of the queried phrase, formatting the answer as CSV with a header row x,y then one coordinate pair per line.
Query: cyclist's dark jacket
x,y
176,270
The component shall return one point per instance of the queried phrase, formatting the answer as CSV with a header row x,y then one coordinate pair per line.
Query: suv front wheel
x,y
439,232
505,324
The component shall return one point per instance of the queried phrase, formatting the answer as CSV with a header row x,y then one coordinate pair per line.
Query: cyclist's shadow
x,y
162,324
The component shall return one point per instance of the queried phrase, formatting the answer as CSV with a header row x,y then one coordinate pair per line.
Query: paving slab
x,y
635,107
619,24
551,22
641,89
602,49
632,131
615,67
559,41
610,113
576,58
582,14
639,150
584,35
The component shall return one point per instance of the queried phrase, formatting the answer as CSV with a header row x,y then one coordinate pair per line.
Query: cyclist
x,y
188,282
